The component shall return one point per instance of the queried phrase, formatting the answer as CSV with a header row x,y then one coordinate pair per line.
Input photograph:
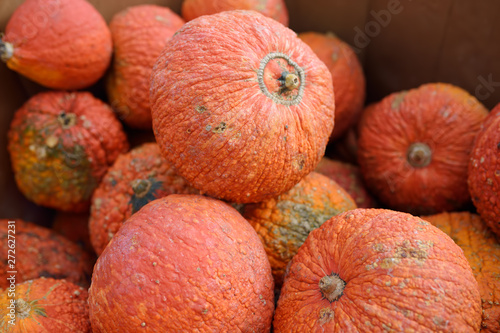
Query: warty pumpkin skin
x,y
484,171
482,250
139,35
283,223
45,305
192,264
41,252
63,44
375,270
414,148
241,107
347,76
275,9
136,178
61,144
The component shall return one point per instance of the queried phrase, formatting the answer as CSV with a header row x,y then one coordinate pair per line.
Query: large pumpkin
x,y
414,147
241,107
375,270
63,44
183,263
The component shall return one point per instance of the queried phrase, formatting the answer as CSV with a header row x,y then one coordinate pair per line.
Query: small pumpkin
x,y
275,9
283,223
482,250
193,263
349,177
139,35
44,305
135,179
347,76
60,145
414,148
40,252
245,120
75,227
374,270
484,171
63,44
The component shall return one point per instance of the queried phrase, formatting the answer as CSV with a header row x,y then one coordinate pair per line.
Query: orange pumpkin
x,y
347,76
40,252
139,35
193,263
136,178
275,9
63,44
484,171
482,250
414,148
375,270
44,305
283,223
247,120
61,144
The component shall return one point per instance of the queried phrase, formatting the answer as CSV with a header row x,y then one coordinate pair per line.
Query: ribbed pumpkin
x,y
139,35
241,107
375,270
275,9
40,252
193,263
44,305
484,171
482,250
349,177
414,148
136,178
347,76
75,227
283,223
61,144
63,44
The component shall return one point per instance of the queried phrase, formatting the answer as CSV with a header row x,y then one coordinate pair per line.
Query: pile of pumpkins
x,y
231,218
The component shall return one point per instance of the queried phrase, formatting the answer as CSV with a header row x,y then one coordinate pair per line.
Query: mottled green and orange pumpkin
x,y
60,145
192,263
414,148
283,223
241,107
376,270
482,249
63,44
139,35
35,251
136,178
44,305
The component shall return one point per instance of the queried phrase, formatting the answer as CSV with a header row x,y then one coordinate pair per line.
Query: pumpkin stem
x,y
141,187
6,49
23,308
66,119
332,287
419,155
291,81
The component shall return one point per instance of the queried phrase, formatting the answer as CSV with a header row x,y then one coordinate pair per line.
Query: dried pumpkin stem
x,y
292,81
419,155
141,187
23,308
66,119
6,49
332,287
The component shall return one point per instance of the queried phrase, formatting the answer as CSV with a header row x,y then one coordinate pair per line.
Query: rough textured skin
x,y
75,227
139,35
41,252
482,250
193,264
46,306
445,120
61,144
349,178
226,119
347,76
136,178
283,223
401,274
60,44
275,9
484,171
